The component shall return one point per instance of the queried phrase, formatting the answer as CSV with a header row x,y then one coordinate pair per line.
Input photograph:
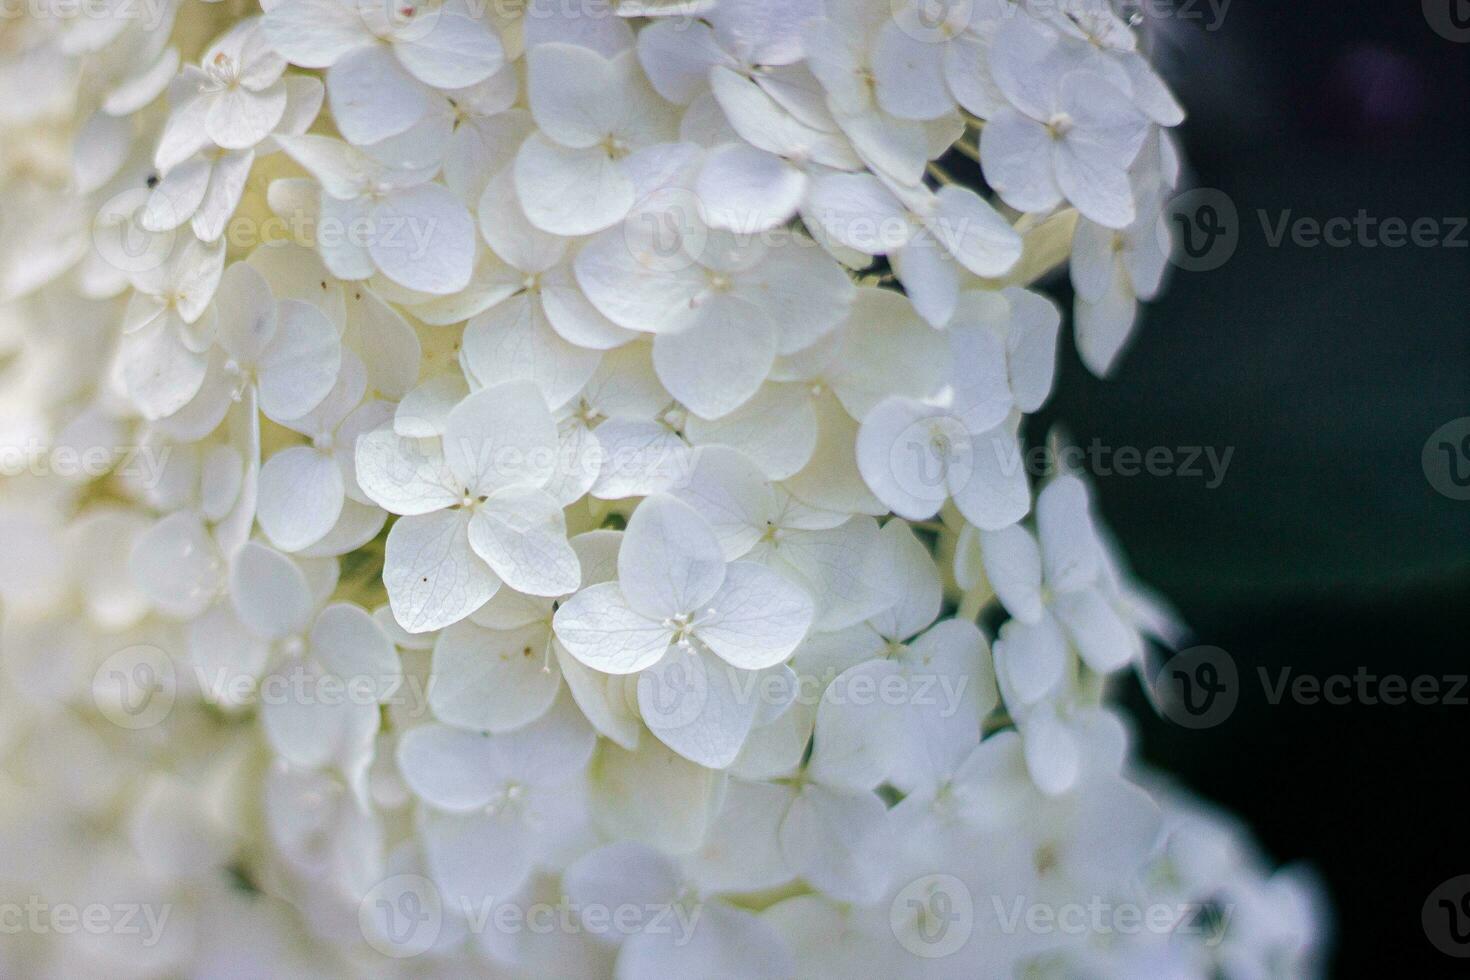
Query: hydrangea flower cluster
x,y
538,489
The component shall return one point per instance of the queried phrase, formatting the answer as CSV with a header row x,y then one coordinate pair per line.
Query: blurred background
x,y
1325,369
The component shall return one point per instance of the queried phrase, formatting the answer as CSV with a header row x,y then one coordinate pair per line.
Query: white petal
x,y
638,458
176,565
314,33
449,768
301,497
513,340
905,450
574,317
982,396
764,124
599,628
239,118
1030,659
455,52
858,211
622,873
828,838
776,429
1013,565
860,739
269,591
913,578
390,349
501,437
747,190
570,87
522,535
372,96
424,412
507,230
756,619
638,275
724,941
670,563
996,492
570,191
1031,347
1069,541
908,74
732,495
1052,753
840,569
1104,640
493,680
1016,154
1103,327
696,704
405,475
300,365
719,362
432,575
177,195
971,230
350,643
931,278
424,239
1094,182
677,58
159,372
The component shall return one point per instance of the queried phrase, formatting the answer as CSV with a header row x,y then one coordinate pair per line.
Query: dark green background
x,y
1326,369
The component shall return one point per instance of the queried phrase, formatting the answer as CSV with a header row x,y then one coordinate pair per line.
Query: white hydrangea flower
x,y
383,60
1067,133
697,269
679,614
474,505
